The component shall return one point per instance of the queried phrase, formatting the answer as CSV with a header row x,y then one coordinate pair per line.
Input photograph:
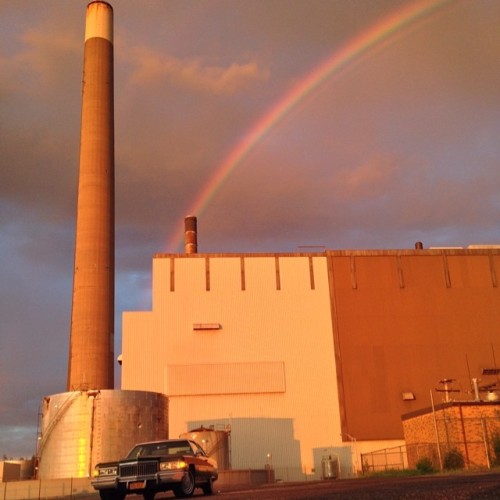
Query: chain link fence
x,y
468,442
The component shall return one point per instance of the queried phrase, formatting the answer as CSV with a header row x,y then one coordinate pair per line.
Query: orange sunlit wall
x,y
243,341
404,320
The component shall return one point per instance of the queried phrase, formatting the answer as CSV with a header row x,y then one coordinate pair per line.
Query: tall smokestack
x,y
92,318
190,234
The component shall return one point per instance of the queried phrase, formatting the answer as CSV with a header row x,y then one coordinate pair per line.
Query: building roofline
x,y
444,406
339,253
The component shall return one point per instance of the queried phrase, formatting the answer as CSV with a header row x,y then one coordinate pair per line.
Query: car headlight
x,y
105,471
177,464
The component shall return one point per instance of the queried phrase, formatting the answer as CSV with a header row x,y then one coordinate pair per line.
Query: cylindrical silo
x,y
82,428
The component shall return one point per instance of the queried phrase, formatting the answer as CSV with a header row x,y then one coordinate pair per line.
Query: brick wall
x,y
469,427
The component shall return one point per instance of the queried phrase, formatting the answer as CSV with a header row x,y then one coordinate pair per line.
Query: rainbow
x,y
379,34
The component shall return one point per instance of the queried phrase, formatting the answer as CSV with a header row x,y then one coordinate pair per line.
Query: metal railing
x,y
475,440
383,460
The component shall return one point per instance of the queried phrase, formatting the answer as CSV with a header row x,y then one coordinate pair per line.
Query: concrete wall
x,y
268,372
49,488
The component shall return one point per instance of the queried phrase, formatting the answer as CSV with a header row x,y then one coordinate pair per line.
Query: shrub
x,y
453,460
495,442
424,465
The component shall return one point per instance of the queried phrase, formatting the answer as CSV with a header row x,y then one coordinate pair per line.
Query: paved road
x,y
451,487
459,487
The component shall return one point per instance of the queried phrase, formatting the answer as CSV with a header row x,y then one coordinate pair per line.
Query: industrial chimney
x,y
93,422
190,234
92,317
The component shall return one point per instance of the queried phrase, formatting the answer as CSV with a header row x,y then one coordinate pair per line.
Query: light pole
x,y
269,467
354,452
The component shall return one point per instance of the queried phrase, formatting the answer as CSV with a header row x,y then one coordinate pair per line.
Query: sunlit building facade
x,y
312,355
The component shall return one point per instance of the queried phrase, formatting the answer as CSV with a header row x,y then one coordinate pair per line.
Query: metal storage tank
x,y
214,442
330,467
81,428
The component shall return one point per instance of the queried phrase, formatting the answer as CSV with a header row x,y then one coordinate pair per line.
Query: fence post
x,y
437,433
485,441
466,448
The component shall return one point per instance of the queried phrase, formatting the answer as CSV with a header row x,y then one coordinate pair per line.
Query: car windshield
x,y
161,449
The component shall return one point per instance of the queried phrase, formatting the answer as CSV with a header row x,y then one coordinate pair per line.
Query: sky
x,y
283,124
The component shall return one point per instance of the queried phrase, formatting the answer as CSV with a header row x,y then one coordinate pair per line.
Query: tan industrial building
x,y
311,355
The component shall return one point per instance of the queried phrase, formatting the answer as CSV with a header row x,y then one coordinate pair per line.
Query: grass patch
x,y
395,473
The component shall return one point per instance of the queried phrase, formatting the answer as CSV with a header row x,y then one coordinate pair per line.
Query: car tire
x,y
208,487
186,486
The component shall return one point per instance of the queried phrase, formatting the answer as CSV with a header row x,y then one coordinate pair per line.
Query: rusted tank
x,y
214,442
81,428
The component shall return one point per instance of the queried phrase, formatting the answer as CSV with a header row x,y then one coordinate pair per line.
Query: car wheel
x,y
208,487
186,486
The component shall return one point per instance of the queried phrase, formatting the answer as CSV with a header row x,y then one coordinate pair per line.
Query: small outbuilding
x,y
454,434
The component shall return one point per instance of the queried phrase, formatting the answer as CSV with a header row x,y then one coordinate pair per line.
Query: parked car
x,y
179,465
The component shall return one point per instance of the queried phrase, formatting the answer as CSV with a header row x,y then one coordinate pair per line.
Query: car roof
x,y
179,440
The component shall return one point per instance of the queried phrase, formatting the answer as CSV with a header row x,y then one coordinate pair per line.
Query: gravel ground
x,y
440,487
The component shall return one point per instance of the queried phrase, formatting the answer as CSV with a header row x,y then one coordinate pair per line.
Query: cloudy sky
x,y
400,144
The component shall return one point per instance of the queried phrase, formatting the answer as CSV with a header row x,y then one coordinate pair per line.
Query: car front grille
x,y
137,469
